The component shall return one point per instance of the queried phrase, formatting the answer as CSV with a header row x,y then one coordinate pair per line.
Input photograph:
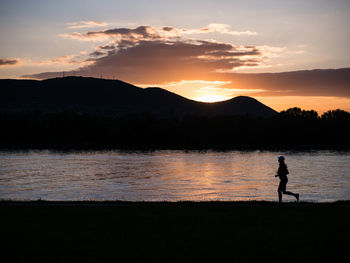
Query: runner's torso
x,y
282,172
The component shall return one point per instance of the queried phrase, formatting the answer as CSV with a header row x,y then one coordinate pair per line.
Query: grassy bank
x,y
174,232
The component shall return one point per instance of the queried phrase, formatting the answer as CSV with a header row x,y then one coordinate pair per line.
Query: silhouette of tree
x,y
297,113
336,115
293,128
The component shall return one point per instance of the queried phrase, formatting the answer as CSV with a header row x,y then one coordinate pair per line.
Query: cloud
x,y
74,59
168,28
126,34
107,47
327,82
153,33
86,24
167,61
4,62
217,28
97,53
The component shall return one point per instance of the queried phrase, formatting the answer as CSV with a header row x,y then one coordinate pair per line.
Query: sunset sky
x,y
192,48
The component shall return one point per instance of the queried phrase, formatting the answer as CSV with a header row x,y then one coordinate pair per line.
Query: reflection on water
x,y
171,175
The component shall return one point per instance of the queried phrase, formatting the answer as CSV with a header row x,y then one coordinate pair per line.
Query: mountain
x,y
113,97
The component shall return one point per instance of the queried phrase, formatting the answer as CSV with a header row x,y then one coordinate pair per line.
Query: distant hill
x,y
113,97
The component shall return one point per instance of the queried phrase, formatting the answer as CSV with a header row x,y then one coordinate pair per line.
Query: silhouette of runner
x,y
282,174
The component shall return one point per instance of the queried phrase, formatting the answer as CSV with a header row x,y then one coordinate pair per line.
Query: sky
x,y
197,49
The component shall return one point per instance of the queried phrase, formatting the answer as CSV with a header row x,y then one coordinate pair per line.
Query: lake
x,y
318,176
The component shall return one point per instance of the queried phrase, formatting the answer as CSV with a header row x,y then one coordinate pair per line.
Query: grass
x,y
175,232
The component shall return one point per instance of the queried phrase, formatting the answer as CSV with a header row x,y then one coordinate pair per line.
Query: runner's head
x,y
281,159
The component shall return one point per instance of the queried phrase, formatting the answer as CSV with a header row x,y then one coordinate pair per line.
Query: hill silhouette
x,y
113,97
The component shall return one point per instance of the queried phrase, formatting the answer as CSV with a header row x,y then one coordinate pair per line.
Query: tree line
x,y
291,129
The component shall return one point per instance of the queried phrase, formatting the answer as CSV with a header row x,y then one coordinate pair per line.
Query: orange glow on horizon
x,y
320,104
215,91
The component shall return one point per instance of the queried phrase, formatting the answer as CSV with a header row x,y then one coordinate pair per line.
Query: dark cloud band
x,y
163,61
8,62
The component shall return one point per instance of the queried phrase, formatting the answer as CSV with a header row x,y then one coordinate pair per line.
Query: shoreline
x,y
170,203
92,147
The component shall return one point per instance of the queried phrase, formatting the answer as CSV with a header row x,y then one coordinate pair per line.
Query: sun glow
x,y
204,90
211,98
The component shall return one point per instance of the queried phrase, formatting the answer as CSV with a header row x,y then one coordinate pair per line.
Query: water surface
x,y
171,175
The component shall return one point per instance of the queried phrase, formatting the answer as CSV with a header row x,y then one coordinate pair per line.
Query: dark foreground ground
x,y
174,232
